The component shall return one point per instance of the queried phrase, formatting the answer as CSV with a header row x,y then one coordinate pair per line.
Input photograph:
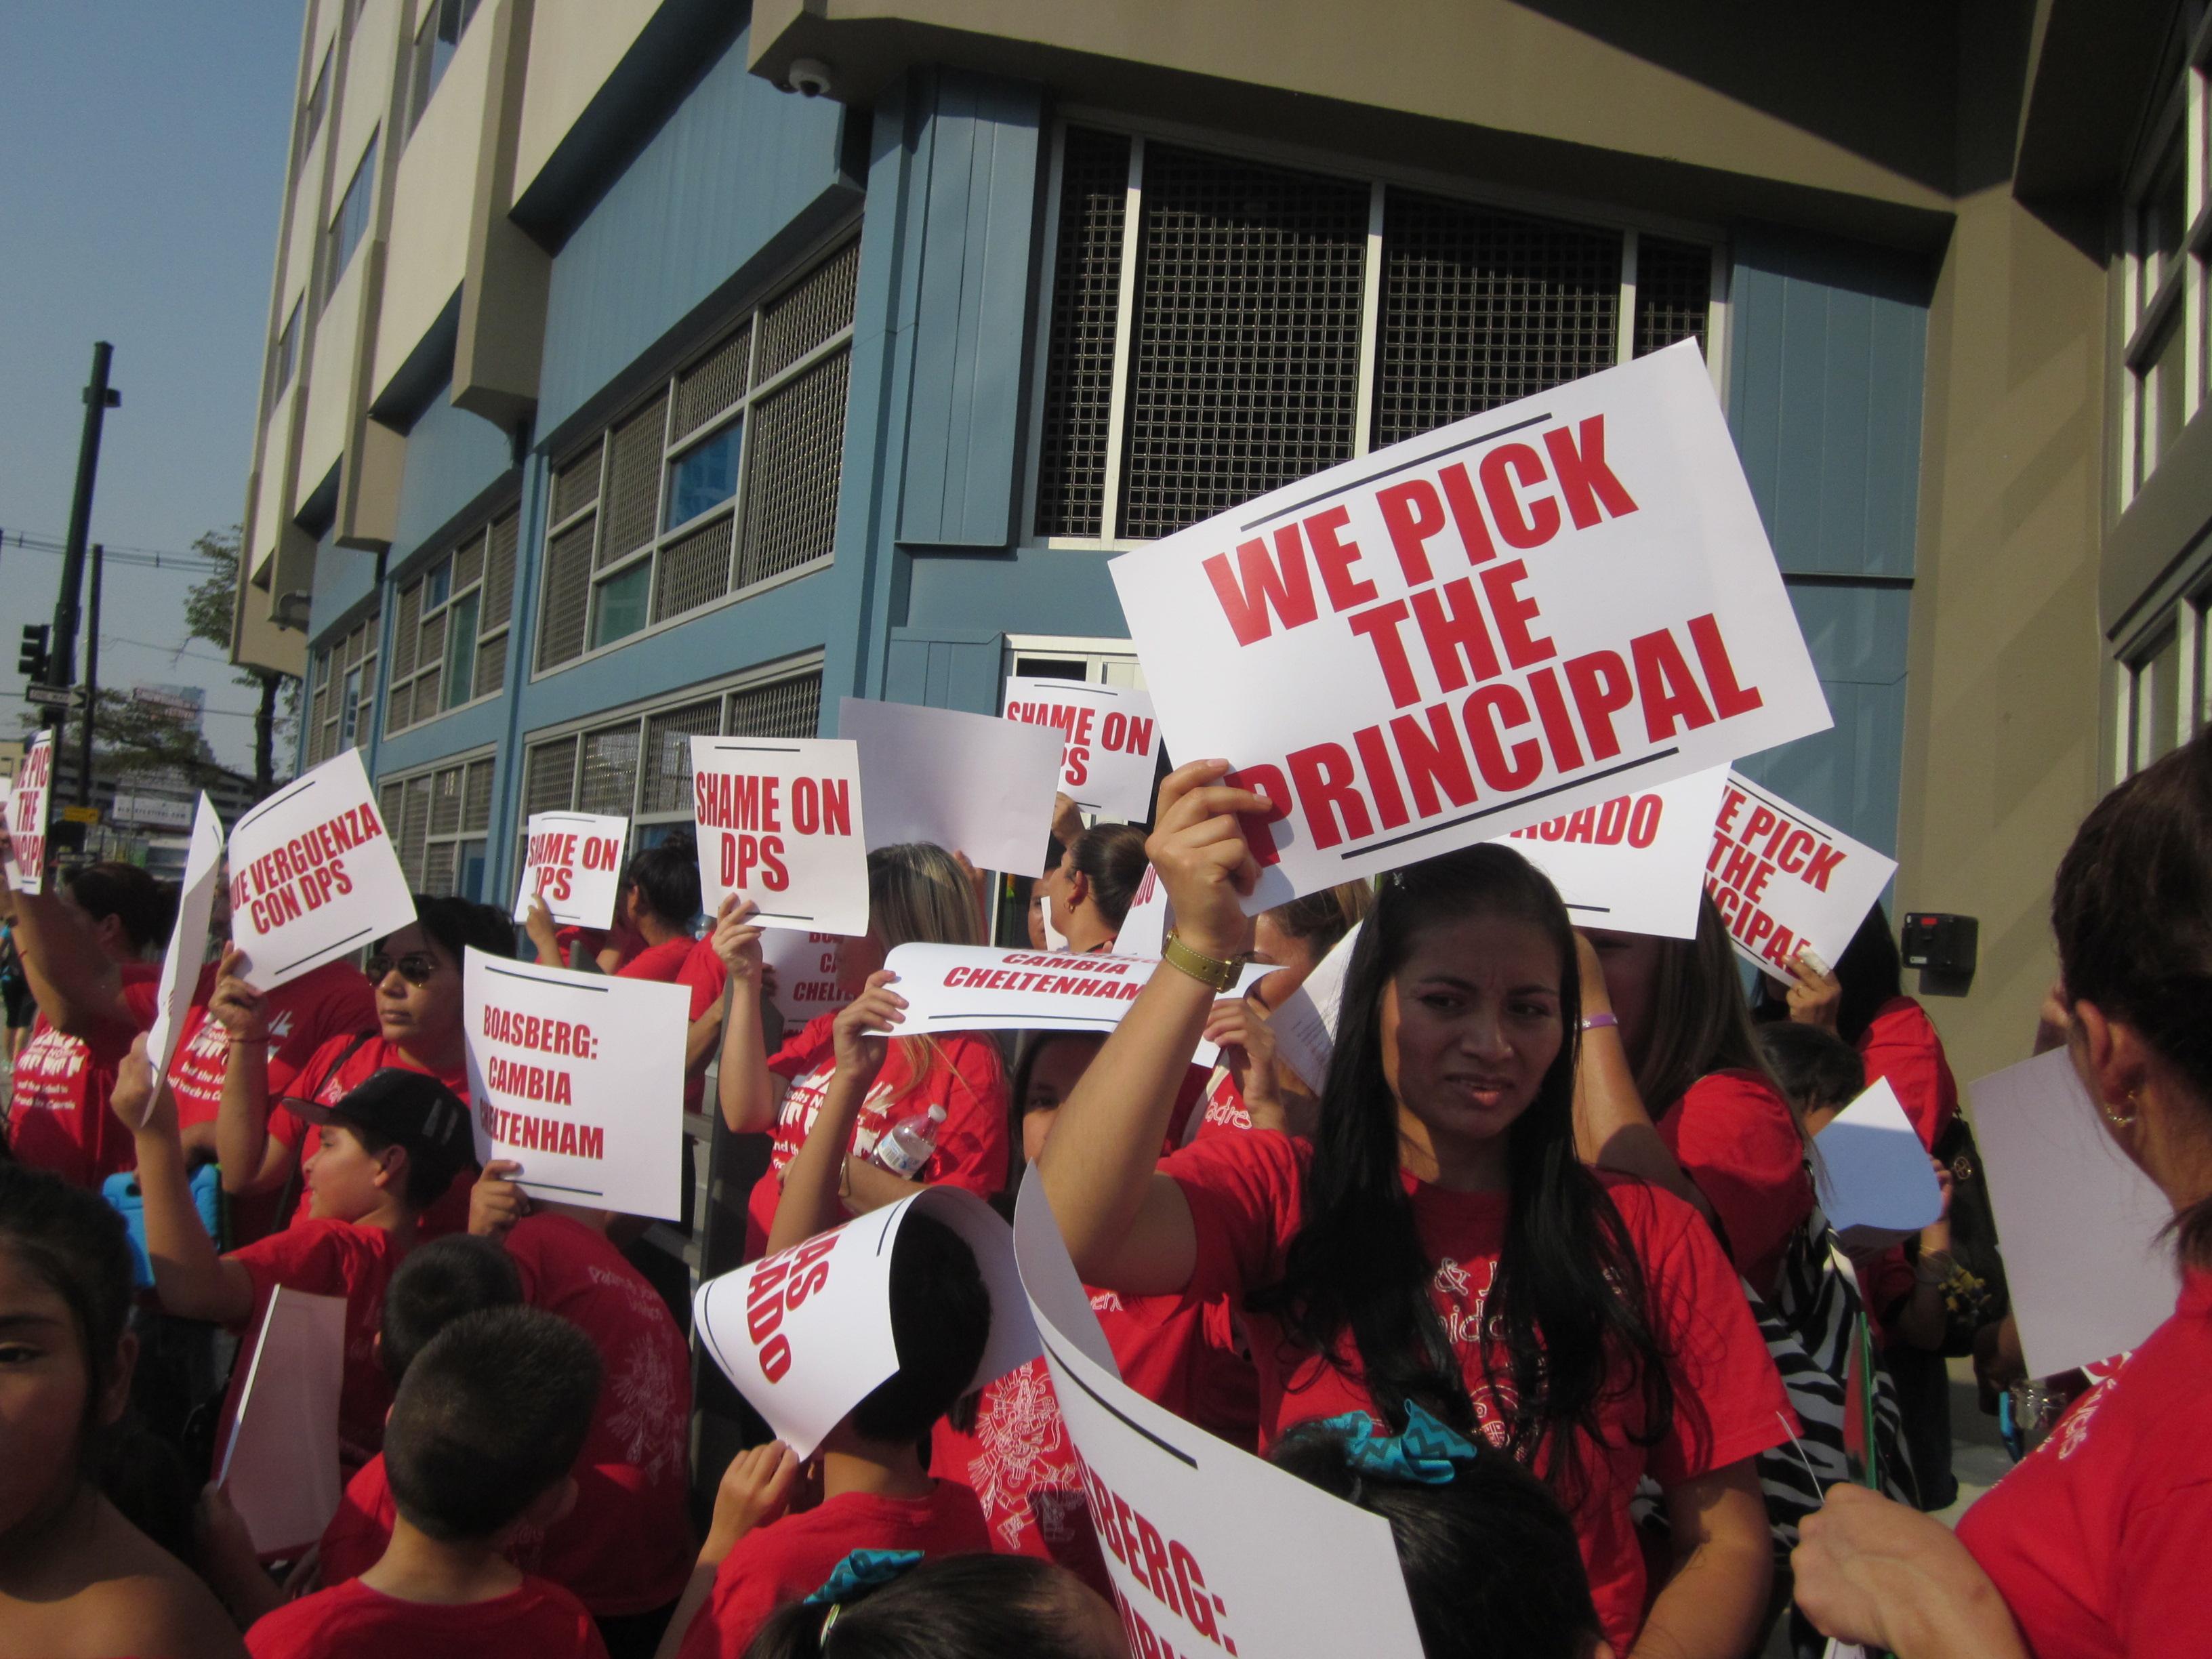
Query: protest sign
x,y
780,823
1206,1546
968,782
1876,1185
982,987
805,1334
579,1077
188,939
1634,864
805,967
1144,929
313,875
1109,740
1523,613
1785,882
280,1467
1304,1025
30,802
573,862
2089,1274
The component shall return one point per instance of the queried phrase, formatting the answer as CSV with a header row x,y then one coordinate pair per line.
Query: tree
x,y
133,736
209,610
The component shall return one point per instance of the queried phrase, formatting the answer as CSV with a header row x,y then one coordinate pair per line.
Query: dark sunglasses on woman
x,y
416,967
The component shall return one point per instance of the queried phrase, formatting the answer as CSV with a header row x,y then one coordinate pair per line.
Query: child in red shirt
x,y
766,1549
389,1148
484,1432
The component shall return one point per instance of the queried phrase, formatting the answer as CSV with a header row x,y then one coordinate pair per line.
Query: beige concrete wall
x,y
574,46
2002,729
331,389
370,57
272,494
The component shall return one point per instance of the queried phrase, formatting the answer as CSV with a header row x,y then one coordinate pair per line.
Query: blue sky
x,y
141,172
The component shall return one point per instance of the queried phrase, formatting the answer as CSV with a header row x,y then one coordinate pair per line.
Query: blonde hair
x,y
917,894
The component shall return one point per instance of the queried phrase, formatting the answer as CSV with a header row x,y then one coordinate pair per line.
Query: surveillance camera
x,y
809,78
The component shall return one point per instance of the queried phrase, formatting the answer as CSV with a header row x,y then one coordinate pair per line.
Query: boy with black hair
x,y
876,1494
389,1149
1818,1072
487,1423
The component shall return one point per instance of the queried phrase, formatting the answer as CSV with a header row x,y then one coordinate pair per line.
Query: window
x,y
1097,662
281,360
725,479
1220,327
2165,698
442,24
2166,321
449,635
351,220
438,821
342,678
310,120
638,766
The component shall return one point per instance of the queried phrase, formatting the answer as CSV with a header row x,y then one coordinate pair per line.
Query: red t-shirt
x,y
333,1001
1244,1194
537,1621
1899,1043
791,1558
662,962
449,1213
58,1115
2096,1539
1226,1112
1733,1135
325,1257
968,1080
700,973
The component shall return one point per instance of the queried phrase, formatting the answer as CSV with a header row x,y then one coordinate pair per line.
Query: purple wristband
x,y
1596,1022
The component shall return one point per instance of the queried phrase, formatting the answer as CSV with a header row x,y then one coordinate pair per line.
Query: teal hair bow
x,y
862,1570
1428,1453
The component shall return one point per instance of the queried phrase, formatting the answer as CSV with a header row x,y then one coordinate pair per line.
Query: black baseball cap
x,y
410,1108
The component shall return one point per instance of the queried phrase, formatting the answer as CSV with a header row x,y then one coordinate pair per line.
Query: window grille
x,y
437,819
724,478
667,783
550,781
342,690
348,225
1078,385
1673,293
450,626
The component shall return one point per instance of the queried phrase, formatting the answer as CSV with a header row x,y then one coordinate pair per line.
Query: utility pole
x,y
91,684
98,398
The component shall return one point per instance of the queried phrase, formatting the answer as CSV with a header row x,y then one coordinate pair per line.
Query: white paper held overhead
x,y
969,783
1876,1185
280,1460
188,939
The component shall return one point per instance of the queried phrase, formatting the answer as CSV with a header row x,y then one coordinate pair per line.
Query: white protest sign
x,y
1206,1544
13,873
780,823
181,968
280,1469
806,967
1110,738
969,783
578,1078
313,875
1304,1025
1785,882
982,987
573,862
1876,1185
30,802
1635,863
1522,613
1144,930
805,1334
2089,1275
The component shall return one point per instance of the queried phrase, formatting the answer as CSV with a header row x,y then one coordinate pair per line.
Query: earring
x,y
2117,1120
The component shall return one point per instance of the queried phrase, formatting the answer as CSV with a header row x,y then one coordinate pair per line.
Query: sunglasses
x,y
416,968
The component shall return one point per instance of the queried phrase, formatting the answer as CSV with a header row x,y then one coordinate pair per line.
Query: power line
x,y
226,713
140,558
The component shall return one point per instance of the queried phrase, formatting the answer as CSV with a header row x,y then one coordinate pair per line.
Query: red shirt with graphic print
x,y
57,1115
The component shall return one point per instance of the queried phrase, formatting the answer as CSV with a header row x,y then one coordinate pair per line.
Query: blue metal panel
x,y
1826,363
1036,590
453,458
344,576
956,668
977,178
733,165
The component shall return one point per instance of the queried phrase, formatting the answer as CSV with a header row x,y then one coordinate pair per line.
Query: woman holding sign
x,y
955,1085
1440,1242
2095,1544
1088,892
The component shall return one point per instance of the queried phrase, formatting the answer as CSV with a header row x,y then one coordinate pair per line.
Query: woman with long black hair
x,y
1440,1242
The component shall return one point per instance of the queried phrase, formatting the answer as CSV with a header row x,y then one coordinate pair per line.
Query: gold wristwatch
x,y
1209,972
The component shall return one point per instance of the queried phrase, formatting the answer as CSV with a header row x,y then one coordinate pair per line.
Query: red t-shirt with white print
x,y
326,1257
57,1113
332,1073
1224,1111
538,1620
792,1557
333,1001
1244,1196
1899,1043
2096,1538
966,1077
1733,1135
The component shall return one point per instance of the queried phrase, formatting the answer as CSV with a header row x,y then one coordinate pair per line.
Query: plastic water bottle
x,y
907,1146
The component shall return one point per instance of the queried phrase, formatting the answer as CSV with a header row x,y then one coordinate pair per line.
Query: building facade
x,y
616,391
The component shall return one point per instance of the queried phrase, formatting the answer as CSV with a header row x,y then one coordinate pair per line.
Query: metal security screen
x,y
1673,293
1078,386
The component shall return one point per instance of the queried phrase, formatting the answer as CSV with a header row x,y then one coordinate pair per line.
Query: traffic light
x,y
32,659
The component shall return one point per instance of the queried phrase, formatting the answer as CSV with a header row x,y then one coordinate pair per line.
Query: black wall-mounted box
x,y
1944,946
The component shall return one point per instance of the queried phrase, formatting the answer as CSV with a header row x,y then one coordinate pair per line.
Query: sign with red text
x,y
279,1458
1785,882
805,970
967,782
1634,863
1209,1548
982,987
1109,740
580,1078
314,876
805,1334
1523,613
188,939
780,823
1143,930
573,862
30,803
